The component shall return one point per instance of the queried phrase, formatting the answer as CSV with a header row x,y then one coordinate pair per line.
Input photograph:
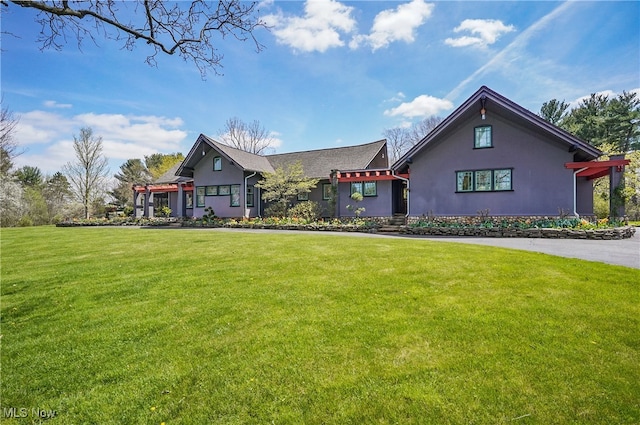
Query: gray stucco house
x,y
490,155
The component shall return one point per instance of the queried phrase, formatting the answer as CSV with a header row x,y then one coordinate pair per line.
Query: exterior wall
x,y
375,206
540,182
381,160
230,174
316,195
584,199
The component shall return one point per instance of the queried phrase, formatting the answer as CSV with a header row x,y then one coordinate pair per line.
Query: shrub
x,y
308,210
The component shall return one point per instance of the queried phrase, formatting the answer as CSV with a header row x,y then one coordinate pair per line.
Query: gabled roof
x,y
315,163
319,163
499,104
170,176
244,160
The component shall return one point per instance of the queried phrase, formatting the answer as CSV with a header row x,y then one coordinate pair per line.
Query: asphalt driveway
x,y
624,252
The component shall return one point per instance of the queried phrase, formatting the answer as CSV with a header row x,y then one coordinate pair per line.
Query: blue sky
x,y
332,74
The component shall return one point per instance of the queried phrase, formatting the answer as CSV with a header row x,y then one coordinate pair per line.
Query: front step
x,y
389,229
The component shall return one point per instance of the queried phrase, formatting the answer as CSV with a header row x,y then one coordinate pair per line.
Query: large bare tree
x,y
401,139
250,137
192,30
88,173
9,147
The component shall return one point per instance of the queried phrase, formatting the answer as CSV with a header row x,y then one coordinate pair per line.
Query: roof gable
x,y
498,103
244,160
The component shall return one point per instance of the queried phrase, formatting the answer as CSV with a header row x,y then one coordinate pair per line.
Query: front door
x,y
399,193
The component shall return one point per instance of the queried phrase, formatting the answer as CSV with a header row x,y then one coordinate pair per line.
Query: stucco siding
x,y
541,185
204,175
375,206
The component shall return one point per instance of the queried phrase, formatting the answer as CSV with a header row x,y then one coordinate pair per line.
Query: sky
x,y
331,74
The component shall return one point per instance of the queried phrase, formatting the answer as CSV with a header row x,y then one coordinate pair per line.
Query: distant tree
x,y
250,137
398,142
88,173
133,171
192,30
9,148
401,139
159,163
281,187
29,176
11,202
554,111
57,194
600,120
422,128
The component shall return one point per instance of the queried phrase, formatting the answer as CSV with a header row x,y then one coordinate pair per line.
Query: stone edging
x,y
599,234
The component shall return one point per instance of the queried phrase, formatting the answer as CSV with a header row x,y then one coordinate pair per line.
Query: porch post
x,y
616,186
180,201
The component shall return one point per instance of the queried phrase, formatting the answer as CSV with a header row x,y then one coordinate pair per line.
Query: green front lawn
x,y
191,326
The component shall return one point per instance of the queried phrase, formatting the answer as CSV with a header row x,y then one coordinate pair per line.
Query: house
x,y
493,155
223,178
490,156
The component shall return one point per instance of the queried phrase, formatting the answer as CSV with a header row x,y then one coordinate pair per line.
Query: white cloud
x,y
421,106
397,24
48,136
484,32
609,93
319,29
54,104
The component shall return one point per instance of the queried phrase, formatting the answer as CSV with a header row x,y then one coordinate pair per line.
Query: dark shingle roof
x,y
315,163
246,160
170,176
320,163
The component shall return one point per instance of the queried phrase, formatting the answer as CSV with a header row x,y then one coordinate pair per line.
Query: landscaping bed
x,y
499,227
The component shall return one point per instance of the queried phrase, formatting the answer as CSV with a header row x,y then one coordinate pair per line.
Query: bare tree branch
x,y
192,32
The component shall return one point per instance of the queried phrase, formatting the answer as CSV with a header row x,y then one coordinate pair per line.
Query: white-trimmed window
x,y
483,137
303,196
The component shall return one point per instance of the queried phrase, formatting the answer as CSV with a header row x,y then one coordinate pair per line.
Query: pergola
x,y
614,168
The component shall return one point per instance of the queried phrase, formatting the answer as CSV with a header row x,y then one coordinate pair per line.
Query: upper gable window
x,y
217,163
483,137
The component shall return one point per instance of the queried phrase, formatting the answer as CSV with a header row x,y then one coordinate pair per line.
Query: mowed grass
x,y
144,326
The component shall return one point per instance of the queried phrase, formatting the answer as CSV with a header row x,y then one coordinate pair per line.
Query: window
x,y
502,179
356,187
217,163
235,195
224,190
326,191
465,181
188,199
484,180
483,137
211,191
200,191
249,196
370,189
303,196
